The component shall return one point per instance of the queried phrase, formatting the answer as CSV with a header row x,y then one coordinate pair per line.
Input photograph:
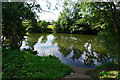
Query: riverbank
x,y
78,73
104,71
23,64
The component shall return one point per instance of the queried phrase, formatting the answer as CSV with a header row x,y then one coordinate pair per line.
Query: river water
x,y
71,49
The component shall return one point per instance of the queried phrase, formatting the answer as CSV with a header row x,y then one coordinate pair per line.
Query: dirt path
x,y
79,74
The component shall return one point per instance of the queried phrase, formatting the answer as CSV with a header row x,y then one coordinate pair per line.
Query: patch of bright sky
x,y
53,14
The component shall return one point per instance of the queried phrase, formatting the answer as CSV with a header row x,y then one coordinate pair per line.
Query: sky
x,y
53,14
48,16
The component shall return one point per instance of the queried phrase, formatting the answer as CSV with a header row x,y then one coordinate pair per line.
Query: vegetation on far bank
x,y
23,64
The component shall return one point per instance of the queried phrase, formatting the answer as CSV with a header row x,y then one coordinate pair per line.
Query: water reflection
x,y
71,49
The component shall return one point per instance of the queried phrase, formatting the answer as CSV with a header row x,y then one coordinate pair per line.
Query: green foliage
x,y
50,26
110,41
107,70
91,17
44,27
106,74
15,14
22,64
106,65
36,28
43,24
31,51
71,20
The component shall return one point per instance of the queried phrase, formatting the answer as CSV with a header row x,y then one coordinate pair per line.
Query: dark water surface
x,y
71,49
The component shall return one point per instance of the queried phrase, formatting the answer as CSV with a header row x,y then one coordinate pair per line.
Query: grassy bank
x,y
23,64
106,70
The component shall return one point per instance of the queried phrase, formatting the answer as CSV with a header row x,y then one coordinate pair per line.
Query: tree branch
x,y
106,15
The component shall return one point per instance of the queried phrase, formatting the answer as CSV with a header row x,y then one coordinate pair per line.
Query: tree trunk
x,y
116,29
115,21
14,38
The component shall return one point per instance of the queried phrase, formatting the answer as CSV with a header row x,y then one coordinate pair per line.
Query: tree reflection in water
x,y
81,49
32,39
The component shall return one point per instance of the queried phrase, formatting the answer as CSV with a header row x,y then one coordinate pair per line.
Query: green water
x,y
71,49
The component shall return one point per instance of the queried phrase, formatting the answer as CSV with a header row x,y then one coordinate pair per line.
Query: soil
x,y
78,74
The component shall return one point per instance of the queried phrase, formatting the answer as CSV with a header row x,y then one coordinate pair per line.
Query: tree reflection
x,y
32,39
44,38
84,48
64,51
76,54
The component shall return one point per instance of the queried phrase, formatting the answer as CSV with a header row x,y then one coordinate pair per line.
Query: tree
x,y
43,24
101,14
94,16
14,14
106,16
71,19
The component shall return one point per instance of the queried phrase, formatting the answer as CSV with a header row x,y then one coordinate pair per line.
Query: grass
x,y
23,64
107,70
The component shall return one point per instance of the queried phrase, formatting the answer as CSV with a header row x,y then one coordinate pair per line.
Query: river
x,y
71,49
